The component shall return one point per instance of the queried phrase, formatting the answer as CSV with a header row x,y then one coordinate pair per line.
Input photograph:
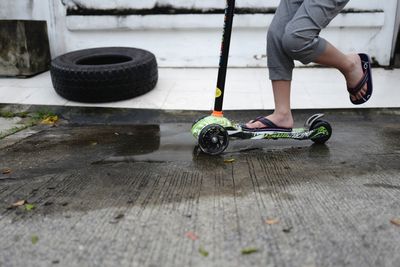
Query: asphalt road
x,y
119,190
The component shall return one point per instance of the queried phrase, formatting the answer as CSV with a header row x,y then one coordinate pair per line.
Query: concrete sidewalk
x,y
115,187
123,183
246,89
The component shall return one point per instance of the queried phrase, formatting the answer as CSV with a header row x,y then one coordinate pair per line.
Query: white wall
x,y
194,40
396,28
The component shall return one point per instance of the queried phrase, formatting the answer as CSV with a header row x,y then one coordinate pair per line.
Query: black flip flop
x,y
366,79
268,126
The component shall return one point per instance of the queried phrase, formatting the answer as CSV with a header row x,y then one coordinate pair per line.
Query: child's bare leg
x,y
348,65
282,115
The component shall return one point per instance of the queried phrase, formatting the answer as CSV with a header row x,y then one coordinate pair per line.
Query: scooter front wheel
x,y
213,139
323,131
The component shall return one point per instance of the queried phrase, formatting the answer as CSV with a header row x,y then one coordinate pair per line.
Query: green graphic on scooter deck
x,y
297,133
201,123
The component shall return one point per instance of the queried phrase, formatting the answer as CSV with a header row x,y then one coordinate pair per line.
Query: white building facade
x,y
187,33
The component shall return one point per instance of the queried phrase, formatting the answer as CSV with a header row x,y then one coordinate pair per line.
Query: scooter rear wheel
x,y
213,139
323,133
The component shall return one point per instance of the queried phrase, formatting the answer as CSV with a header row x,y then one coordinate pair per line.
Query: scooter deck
x,y
296,133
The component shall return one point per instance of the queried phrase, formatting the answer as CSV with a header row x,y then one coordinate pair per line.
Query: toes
x,y
251,124
254,125
363,92
360,94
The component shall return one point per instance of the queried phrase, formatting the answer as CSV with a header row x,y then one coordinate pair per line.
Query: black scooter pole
x,y
223,63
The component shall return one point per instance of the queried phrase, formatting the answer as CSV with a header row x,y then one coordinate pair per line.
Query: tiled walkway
x,y
246,89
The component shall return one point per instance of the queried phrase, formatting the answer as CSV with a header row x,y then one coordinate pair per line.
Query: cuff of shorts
x,y
278,74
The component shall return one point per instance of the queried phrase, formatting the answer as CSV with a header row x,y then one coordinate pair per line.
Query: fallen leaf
x,y
6,171
93,143
29,207
203,252
191,235
287,230
250,250
50,120
119,216
18,203
395,221
272,221
34,239
229,160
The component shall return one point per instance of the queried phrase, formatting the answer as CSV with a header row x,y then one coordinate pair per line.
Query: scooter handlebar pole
x,y
223,63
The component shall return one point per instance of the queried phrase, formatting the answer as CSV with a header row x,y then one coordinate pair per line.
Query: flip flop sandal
x,y
366,79
268,126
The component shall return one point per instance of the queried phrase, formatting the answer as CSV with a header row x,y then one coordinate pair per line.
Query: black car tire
x,y
104,74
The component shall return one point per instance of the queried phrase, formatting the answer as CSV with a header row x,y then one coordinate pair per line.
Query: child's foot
x,y
354,75
281,121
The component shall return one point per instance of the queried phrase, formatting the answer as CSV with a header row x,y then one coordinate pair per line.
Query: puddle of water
x,y
174,143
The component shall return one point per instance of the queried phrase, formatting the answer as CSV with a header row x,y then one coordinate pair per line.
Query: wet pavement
x,y
130,188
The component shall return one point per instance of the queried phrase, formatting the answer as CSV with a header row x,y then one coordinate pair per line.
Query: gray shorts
x,y
294,34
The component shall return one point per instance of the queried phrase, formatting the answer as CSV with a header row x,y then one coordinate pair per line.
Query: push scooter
x,y
213,132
